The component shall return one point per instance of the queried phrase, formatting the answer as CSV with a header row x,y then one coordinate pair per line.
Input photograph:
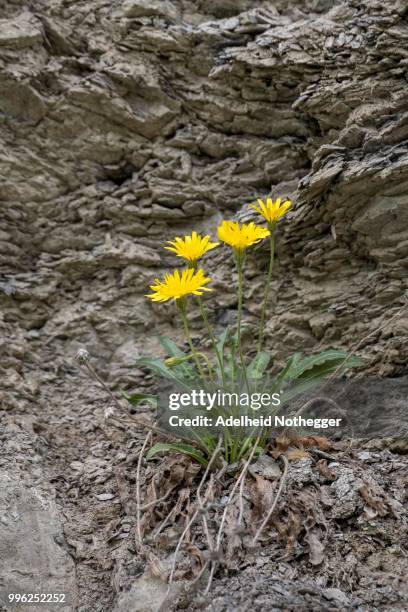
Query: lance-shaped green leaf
x,y
171,348
176,447
289,370
156,365
181,367
222,340
317,366
258,366
324,362
301,375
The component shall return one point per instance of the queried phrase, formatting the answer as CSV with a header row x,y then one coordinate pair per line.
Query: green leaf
x,y
230,367
138,398
222,340
171,348
258,365
316,365
333,357
289,369
221,344
176,447
305,373
183,369
157,367
230,363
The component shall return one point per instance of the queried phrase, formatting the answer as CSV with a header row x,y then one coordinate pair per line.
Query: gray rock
x,y
145,595
266,467
141,8
22,31
33,558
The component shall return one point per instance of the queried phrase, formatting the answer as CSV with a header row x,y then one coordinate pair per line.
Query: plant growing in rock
x,y
226,368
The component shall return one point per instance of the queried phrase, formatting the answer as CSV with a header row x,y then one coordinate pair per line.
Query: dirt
x,y
337,540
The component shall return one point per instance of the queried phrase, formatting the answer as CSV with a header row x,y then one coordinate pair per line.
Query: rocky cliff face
x,y
126,122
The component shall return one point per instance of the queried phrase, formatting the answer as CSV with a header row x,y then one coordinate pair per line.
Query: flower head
x,y
176,286
241,236
82,356
272,211
191,247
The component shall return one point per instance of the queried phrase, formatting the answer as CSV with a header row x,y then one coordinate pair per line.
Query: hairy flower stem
x,y
212,337
182,310
240,262
268,286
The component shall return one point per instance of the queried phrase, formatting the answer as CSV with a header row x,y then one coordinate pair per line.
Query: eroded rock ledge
x,y
127,122
123,123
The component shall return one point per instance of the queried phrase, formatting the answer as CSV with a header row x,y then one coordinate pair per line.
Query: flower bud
x,y
174,361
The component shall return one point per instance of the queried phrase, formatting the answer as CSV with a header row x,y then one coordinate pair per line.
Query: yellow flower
x,y
191,247
272,211
176,286
240,237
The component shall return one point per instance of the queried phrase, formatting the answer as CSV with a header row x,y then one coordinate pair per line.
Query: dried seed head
x,y
82,356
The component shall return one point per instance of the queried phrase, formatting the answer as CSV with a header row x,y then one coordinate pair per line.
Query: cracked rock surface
x,y
124,123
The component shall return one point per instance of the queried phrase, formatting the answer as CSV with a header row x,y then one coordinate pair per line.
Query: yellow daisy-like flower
x,y
191,247
272,211
241,236
176,286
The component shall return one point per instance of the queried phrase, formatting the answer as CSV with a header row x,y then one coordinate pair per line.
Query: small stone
x,y
266,467
364,456
231,24
105,496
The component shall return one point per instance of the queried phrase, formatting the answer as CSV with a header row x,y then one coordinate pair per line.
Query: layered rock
x,y
126,123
